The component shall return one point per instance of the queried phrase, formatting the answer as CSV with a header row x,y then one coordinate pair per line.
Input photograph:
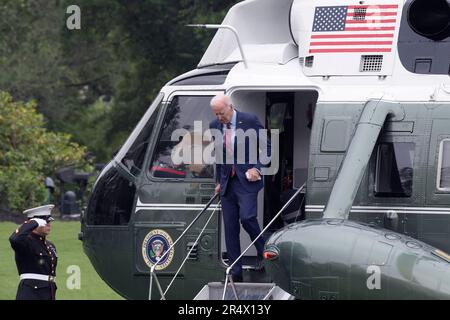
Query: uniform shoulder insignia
x,y
17,230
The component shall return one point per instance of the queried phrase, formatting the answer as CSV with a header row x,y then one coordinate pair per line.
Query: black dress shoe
x,y
259,264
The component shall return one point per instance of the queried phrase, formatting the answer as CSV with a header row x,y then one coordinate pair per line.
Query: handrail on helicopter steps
x,y
227,273
152,269
228,276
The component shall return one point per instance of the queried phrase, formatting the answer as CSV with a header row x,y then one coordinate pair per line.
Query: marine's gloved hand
x,y
41,222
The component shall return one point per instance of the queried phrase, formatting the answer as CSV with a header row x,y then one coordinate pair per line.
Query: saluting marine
x,y
36,257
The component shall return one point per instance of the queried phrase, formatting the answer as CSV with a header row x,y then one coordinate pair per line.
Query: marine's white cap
x,y
43,212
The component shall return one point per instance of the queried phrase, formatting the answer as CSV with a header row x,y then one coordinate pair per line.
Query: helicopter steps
x,y
245,291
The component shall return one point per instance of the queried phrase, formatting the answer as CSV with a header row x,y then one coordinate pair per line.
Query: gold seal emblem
x,y
155,245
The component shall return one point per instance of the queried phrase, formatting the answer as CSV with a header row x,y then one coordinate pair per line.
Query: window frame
x,y
155,109
439,166
87,217
380,194
162,116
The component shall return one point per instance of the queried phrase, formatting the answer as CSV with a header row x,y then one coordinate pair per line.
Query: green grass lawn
x,y
70,252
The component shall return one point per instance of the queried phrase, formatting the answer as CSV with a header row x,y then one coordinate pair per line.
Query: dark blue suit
x,y
238,195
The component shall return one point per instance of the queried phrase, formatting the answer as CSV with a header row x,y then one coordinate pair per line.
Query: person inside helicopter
x,y
192,165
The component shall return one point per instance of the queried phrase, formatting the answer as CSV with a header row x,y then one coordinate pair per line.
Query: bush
x,y
29,153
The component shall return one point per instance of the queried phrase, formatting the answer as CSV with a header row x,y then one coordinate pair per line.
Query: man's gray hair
x,y
221,99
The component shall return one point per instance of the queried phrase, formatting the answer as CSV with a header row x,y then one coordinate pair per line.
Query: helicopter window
x,y
132,154
394,173
111,202
181,114
444,166
134,158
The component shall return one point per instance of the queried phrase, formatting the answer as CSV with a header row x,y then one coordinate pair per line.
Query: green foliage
x,y
33,62
92,127
123,54
29,153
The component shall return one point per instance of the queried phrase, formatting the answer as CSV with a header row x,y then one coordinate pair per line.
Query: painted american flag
x,y
341,29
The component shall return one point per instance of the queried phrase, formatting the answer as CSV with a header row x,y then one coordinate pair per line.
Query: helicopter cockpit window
x,y
444,166
112,199
394,169
133,152
182,112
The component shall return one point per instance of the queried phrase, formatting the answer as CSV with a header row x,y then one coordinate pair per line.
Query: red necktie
x,y
229,146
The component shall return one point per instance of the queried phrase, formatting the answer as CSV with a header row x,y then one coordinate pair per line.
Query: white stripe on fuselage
x,y
374,209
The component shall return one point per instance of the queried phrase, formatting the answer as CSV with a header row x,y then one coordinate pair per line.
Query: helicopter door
x,y
279,116
434,224
438,182
291,114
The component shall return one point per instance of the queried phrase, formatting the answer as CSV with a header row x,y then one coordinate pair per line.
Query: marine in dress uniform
x,y
36,257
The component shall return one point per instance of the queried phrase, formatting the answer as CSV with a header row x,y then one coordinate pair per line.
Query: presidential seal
x,y
154,246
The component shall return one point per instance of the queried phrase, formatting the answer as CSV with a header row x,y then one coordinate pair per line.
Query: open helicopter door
x,y
290,112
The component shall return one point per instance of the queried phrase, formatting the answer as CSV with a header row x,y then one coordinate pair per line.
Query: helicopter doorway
x,y
291,113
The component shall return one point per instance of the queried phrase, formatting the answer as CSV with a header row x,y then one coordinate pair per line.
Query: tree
x,y
29,153
104,76
158,47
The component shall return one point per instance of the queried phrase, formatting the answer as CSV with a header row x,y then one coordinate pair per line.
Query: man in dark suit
x,y
240,181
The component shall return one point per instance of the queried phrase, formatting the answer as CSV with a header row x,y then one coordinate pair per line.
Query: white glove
x,y
41,222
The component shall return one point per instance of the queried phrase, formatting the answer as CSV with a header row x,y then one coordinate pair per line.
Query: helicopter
x,y
359,207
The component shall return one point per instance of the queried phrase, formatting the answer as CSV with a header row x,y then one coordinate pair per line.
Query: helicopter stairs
x,y
253,290
243,291
256,286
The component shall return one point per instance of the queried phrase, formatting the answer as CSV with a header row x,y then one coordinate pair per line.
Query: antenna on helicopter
x,y
223,26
